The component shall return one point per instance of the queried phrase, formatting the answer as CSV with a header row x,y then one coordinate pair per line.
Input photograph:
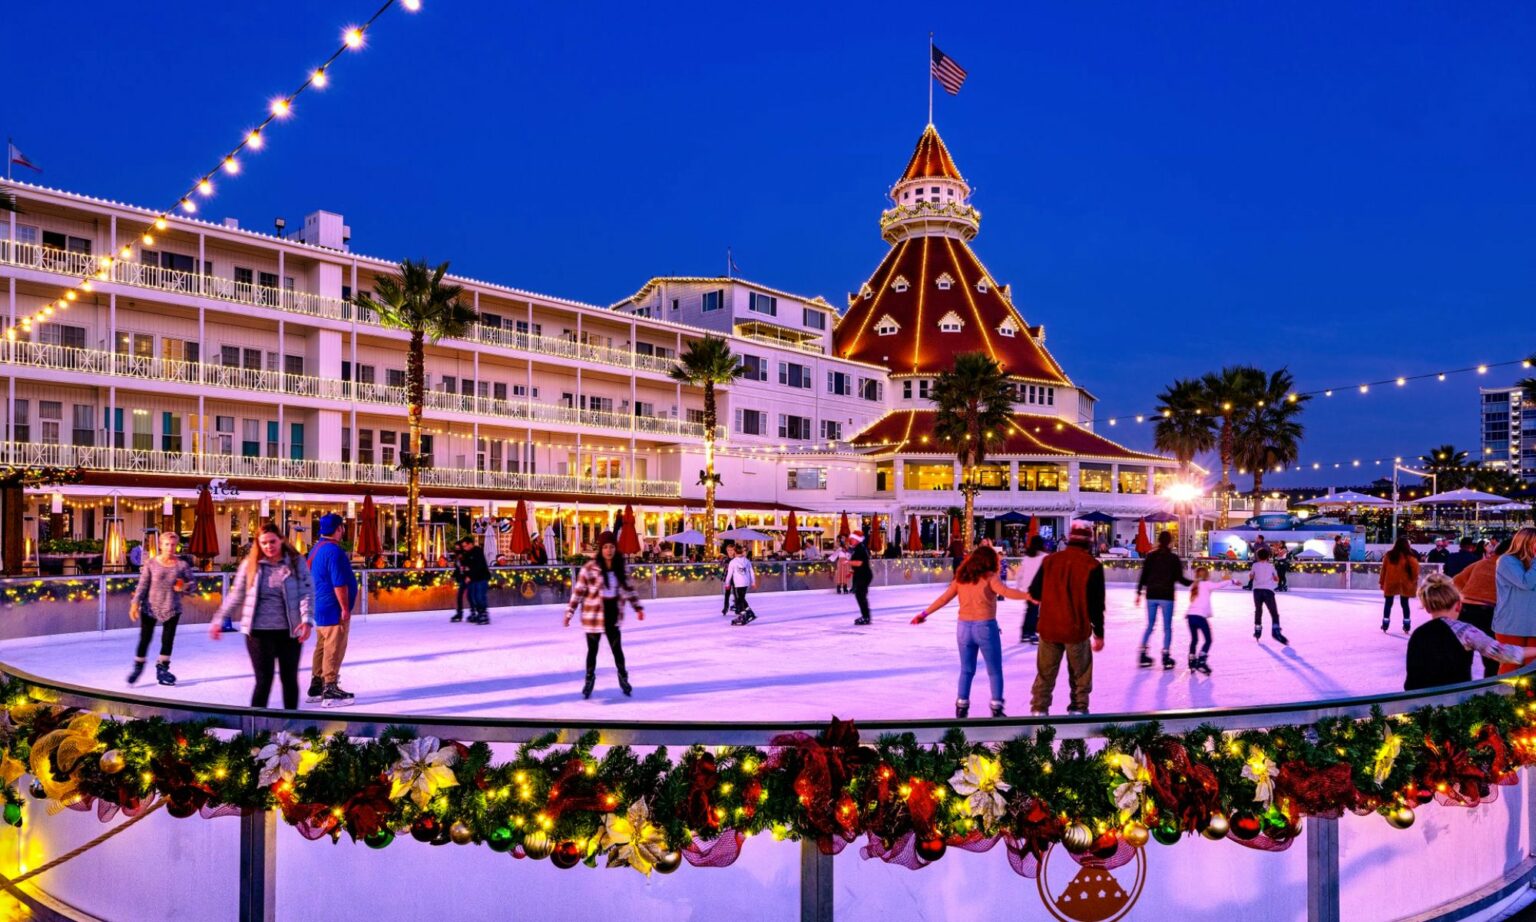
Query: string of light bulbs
x,y
353,38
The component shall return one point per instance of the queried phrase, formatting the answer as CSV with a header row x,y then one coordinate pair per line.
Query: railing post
x,y
1530,812
362,593
1349,575
101,602
815,883
258,859
1322,869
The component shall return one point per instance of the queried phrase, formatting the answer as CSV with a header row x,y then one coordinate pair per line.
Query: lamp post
x,y
1434,487
1183,495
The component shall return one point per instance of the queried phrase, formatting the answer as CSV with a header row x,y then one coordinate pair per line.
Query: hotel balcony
x,y
81,362
216,288
298,471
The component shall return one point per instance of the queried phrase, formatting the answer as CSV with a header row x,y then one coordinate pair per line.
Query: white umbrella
x,y
690,536
744,534
1463,496
549,543
1343,500
1511,507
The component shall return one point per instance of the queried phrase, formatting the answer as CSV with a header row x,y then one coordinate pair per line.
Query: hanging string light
x,y
353,39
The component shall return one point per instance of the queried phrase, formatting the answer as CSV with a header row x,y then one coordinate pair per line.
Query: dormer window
x,y
944,281
866,292
887,326
900,284
951,323
983,285
1008,328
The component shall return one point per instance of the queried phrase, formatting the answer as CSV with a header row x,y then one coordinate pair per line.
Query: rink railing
x,y
47,605
258,831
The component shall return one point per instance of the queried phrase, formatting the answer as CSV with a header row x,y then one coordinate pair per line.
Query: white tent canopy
x,y
1510,507
1463,496
743,534
690,536
1343,500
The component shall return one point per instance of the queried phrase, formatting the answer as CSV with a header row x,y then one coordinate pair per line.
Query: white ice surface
x,y
803,659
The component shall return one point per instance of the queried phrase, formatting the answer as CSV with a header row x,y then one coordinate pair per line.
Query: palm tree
x,y
1267,434
416,300
1495,481
974,404
706,363
1183,429
1451,467
1228,392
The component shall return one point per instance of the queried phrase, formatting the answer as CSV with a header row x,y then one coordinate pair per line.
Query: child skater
x,y
1199,615
1265,581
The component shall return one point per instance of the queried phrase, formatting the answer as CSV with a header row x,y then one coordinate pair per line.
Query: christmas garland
x,y
911,802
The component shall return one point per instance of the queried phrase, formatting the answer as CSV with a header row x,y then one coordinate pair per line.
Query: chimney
x,y
232,223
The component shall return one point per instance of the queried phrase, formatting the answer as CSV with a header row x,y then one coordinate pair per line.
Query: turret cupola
x,y
931,198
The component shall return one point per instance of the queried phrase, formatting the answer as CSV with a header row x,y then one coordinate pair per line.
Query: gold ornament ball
x,y
1077,838
1401,817
1217,827
113,762
1135,834
669,862
537,845
460,833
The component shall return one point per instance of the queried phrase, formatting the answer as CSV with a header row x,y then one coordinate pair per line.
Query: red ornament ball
x,y
931,849
180,808
1246,826
425,829
1105,846
566,855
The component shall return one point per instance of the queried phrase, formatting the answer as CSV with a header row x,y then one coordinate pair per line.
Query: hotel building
x,y
217,354
1507,445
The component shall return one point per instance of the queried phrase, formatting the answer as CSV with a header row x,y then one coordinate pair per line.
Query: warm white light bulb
x,y
161,224
413,6
281,108
319,79
188,205
205,187
353,37
253,140
231,165
149,240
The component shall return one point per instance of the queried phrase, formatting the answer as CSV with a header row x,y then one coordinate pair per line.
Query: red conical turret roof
x,y
931,159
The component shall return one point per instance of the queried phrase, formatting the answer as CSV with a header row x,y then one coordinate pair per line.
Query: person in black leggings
x,y
165,578
601,589
274,596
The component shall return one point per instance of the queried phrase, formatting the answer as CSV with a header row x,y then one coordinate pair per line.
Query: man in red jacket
x,y
1069,589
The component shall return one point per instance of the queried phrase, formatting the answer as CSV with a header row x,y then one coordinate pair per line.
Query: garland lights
x,y
910,801
281,107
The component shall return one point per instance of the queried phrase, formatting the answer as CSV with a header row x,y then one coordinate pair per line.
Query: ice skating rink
x,y
803,659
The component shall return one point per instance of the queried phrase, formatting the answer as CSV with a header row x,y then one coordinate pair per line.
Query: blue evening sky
x,y
1346,189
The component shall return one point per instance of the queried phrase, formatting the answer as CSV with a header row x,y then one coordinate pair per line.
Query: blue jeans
x,y
1153,606
983,637
479,592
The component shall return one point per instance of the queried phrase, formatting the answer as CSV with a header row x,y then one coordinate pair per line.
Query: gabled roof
x,y
931,159
905,431
920,348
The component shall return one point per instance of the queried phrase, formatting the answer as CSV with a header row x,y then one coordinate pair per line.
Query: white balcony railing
x,y
173,371
128,460
81,265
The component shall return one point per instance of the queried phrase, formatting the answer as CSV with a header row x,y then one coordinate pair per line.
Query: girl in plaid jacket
x,y
601,589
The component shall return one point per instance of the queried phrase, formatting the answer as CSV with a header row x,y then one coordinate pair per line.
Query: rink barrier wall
x,y
43,606
257,844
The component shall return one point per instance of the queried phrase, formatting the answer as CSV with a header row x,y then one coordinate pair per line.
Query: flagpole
x,y
928,69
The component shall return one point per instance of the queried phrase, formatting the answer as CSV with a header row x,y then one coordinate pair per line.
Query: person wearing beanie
x,y
863,574
739,577
601,590
1069,588
330,569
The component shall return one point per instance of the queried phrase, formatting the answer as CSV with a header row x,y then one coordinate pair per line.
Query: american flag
x,y
949,74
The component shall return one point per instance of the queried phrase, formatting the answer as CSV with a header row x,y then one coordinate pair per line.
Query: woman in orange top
x,y
1400,580
977,585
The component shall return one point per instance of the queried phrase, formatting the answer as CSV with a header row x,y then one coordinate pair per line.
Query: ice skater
x,y
1264,579
1029,565
601,590
1161,571
1198,615
740,578
863,574
157,600
275,598
842,572
977,584
477,579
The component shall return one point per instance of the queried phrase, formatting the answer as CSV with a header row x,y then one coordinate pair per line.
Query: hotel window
x,y
899,284
21,428
51,415
992,476
906,389
267,279
251,360
245,279
449,384
695,417
871,389
885,476
793,374
751,422
928,476
55,241
944,281
713,300
807,478
645,409
519,390
365,374
346,445
924,388
866,292
83,424
496,455
1048,478
426,449
816,320
388,442
887,326
112,421
756,366
982,285
466,387
250,437
794,427
1133,480
524,327
831,430
273,437
229,356
1163,478
394,377
73,337
1094,478
676,303
1008,328
26,234
499,390
951,323
143,431
840,383
296,441
170,432
763,304
491,320
179,350
365,446
293,364
224,435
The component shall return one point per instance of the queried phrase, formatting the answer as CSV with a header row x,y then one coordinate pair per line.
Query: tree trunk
x,y
415,385
1258,490
12,529
1226,473
709,467
968,489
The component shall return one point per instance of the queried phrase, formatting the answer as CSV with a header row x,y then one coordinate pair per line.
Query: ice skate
x,y
136,671
333,696
1167,661
1146,661
624,685
1200,666
962,709
163,674
997,709
586,687
1279,636
316,690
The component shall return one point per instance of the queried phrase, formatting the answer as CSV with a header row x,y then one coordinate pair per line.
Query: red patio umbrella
x,y
876,539
1034,527
843,530
629,538
368,544
914,539
1143,543
205,534
792,535
519,542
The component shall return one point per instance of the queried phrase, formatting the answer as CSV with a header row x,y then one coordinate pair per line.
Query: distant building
x,y
1507,445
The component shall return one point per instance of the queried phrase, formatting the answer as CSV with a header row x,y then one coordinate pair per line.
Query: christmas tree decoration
x,y
1167,833
931,849
1400,817
112,762
1077,839
566,855
460,833
180,808
536,844
379,839
1105,845
1135,834
1216,828
1246,825
426,828
13,814
668,862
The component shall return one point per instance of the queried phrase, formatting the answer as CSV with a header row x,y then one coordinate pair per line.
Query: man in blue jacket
x,y
330,568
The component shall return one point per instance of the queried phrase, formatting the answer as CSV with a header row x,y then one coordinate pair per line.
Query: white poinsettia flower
x,y
281,758
1261,771
422,770
1137,773
980,782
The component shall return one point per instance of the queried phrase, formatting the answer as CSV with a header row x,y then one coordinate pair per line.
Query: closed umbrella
x,y
792,535
368,544
1143,543
914,540
519,543
1034,527
629,538
843,531
205,534
550,550
876,538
